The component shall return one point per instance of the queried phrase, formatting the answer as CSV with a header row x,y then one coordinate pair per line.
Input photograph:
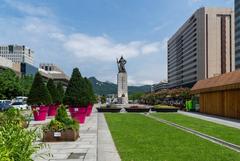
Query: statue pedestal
x,y
122,88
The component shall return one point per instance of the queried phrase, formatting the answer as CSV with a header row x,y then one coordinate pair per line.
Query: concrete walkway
x,y
83,149
216,119
95,143
106,148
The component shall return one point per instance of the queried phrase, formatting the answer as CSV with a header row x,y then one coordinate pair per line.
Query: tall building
x,y
202,48
17,54
237,33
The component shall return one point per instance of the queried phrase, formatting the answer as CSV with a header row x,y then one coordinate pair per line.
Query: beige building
x,y
202,48
17,53
51,71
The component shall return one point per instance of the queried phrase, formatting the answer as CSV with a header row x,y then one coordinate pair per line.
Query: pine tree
x,y
53,91
60,91
89,91
75,94
39,93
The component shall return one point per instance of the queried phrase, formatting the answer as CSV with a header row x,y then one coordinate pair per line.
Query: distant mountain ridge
x,y
104,88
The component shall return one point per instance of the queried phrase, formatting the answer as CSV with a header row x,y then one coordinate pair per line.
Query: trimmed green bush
x,y
60,91
90,92
53,91
39,93
76,91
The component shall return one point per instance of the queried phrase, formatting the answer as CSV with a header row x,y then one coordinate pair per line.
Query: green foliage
x,y
89,91
10,85
62,121
76,91
13,116
103,99
16,143
26,84
60,91
53,91
39,93
136,96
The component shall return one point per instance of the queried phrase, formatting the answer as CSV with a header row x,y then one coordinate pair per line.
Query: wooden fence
x,y
222,103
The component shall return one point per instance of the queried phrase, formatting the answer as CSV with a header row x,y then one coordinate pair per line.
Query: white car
x,y
20,105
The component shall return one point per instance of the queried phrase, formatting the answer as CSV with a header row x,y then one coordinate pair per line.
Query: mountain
x,y
104,88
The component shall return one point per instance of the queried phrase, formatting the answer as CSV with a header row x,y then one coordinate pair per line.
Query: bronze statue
x,y
121,65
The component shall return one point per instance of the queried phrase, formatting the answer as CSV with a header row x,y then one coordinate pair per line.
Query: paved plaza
x,y
95,143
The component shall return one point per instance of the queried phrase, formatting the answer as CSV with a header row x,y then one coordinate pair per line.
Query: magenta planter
x,y
89,109
52,111
78,113
40,112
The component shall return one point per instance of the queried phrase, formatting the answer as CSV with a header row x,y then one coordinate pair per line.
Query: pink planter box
x,y
78,113
40,112
89,109
52,111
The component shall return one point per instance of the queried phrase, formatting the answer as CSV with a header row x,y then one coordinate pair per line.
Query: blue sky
x,y
91,34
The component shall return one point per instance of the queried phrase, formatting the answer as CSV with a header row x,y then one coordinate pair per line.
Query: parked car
x,y
20,105
5,104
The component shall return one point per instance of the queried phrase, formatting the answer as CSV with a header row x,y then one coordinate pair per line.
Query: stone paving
x,y
95,143
216,119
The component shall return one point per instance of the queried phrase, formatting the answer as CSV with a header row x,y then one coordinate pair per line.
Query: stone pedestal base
x,y
122,88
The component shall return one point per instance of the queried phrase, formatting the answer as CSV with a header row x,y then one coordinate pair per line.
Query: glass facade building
x,y
237,34
27,69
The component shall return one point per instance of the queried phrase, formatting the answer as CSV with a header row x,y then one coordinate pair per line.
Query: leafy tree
x,y
39,93
10,86
26,84
53,91
75,93
60,91
136,96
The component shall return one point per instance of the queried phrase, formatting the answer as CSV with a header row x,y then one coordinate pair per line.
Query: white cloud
x,y
103,48
29,9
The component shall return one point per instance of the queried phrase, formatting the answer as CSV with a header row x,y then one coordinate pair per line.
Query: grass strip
x,y
139,138
223,132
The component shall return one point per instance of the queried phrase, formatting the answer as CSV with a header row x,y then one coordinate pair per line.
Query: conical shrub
x,y
39,93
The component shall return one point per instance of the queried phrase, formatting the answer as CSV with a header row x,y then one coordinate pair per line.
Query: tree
x,y
75,93
39,93
60,91
53,91
10,86
26,84
89,91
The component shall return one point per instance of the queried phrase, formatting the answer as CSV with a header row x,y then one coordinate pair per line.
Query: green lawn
x,y
139,138
220,131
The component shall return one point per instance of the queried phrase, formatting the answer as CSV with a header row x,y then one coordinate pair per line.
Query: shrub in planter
x,y
90,96
164,108
55,98
39,97
76,96
109,108
137,109
62,128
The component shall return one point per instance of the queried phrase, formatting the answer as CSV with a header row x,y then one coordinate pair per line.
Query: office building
x,y
237,33
17,54
202,48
